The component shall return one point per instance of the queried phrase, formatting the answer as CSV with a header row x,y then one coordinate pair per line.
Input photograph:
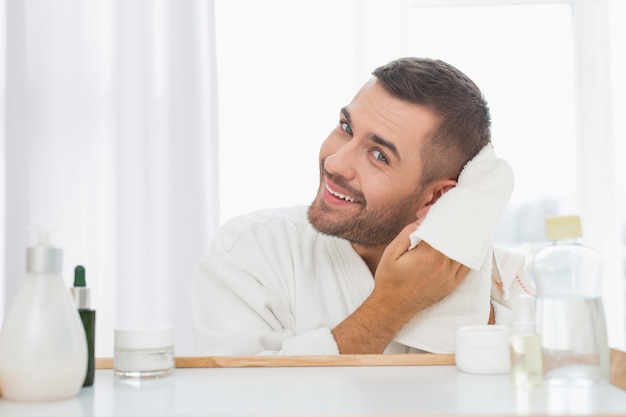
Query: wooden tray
x,y
618,368
280,361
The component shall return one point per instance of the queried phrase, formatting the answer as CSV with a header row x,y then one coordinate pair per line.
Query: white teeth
x,y
342,196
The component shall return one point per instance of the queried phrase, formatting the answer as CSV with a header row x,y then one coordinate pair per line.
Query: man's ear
x,y
432,193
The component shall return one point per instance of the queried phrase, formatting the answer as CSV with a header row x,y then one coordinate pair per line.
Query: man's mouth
x,y
339,195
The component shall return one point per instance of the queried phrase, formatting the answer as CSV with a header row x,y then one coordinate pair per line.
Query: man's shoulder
x,y
271,217
265,225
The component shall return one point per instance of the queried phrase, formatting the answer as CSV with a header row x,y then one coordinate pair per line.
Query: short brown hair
x,y
464,121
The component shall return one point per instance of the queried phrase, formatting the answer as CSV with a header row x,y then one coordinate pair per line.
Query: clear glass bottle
x,y
570,314
524,344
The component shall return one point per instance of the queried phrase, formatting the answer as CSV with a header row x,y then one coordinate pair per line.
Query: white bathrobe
x,y
272,285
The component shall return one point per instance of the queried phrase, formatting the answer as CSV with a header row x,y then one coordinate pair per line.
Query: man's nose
x,y
343,162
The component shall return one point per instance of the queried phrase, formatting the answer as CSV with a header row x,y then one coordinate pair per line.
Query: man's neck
x,y
371,256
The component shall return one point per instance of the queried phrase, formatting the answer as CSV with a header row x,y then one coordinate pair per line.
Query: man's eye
x,y
380,156
346,128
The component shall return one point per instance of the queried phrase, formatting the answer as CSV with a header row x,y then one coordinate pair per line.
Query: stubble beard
x,y
369,227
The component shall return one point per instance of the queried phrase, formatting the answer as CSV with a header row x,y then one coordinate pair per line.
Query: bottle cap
x,y
563,227
523,308
79,291
43,257
149,338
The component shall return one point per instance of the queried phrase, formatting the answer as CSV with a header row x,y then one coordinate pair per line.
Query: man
x,y
337,278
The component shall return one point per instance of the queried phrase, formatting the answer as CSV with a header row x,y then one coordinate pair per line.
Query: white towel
x,y
461,225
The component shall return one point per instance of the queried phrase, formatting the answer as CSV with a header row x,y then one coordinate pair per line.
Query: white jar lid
x,y
483,336
148,338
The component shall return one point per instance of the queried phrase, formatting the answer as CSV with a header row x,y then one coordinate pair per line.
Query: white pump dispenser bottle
x,y
43,349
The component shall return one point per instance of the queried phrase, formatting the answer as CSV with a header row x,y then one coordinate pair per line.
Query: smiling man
x,y
337,277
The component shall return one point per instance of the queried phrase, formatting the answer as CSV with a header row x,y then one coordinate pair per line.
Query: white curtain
x,y
111,140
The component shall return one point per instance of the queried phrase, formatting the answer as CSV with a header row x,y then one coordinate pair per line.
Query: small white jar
x,y
483,349
144,353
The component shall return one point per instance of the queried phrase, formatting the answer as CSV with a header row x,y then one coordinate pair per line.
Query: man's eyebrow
x,y
346,114
382,142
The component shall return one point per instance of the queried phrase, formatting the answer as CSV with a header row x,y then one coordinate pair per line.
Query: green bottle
x,y
81,295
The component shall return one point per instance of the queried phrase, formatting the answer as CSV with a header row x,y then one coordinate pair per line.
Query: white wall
x,y
285,69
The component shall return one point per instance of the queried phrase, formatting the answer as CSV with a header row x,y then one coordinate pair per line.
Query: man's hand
x,y
413,280
406,282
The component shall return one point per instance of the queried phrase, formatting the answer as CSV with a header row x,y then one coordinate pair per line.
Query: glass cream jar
x,y
144,353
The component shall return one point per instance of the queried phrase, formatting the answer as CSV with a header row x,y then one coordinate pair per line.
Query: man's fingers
x,y
400,243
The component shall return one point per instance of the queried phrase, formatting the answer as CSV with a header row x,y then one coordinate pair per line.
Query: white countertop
x,y
323,391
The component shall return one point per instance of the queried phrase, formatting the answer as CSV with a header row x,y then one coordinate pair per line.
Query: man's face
x,y
370,169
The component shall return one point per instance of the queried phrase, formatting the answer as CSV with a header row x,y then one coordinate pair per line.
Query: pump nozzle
x,y
43,257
